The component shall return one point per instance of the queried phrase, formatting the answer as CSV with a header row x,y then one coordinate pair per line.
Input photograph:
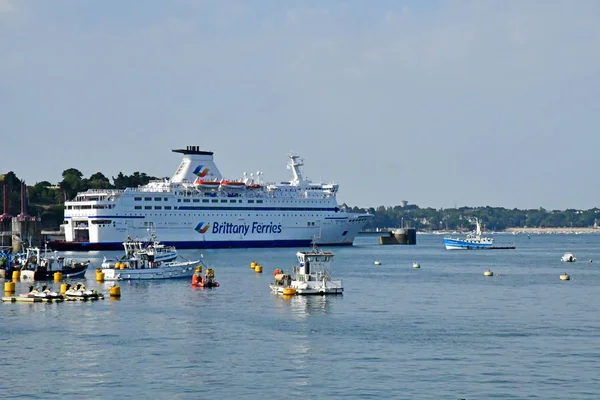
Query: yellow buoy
x,y
115,291
488,273
258,269
63,288
565,277
100,276
16,276
289,291
58,276
9,287
253,265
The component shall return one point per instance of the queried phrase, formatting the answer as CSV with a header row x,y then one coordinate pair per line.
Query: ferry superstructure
x,y
198,208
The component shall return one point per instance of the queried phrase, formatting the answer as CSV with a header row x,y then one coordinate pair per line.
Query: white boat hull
x,y
311,287
165,271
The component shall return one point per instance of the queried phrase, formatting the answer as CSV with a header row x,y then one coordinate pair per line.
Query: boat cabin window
x,y
167,207
250,201
138,207
214,201
148,198
157,199
223,200
259,201
205,200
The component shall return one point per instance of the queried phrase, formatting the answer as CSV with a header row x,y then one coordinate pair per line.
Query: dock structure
x,y
21,299
14,231
399,236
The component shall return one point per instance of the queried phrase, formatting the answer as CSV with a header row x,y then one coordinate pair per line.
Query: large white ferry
x,y
198,208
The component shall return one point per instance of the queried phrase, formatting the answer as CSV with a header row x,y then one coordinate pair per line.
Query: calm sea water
x,y
443,331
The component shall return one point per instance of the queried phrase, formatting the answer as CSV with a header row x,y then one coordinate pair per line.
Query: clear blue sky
x,y
441,103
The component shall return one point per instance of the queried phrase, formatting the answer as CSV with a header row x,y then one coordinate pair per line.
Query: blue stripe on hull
x,y
87,246
459,244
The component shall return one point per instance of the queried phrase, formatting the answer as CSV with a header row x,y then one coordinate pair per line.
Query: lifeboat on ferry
x,y
254,186
233,185
207,184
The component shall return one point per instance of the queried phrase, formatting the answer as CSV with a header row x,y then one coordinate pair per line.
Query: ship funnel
x,y
196,164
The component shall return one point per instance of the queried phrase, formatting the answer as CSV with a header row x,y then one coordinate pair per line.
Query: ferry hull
x,y
217,244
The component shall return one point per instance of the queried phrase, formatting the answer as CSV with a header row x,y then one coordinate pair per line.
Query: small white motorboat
x,y
568,257
80,292
44,293
312,276
377,262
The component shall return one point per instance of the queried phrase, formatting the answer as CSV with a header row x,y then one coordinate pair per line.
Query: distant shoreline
x,y
532,230
552,230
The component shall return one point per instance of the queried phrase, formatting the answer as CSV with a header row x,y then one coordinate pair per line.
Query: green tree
x,y
72,183
99,181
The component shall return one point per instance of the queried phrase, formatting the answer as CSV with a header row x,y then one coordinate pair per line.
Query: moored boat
x,y
35,266
311,277
80,292
568,257
142,264
153,248
44,293
472,241
206,281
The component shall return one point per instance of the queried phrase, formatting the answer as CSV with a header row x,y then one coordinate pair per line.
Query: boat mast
x,y
478,231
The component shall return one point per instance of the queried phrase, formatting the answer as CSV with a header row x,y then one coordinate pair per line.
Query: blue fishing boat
x,y
472,241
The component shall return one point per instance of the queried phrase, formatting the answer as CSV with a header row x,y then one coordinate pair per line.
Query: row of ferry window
x,y
91,207
195,200
168,208
221,215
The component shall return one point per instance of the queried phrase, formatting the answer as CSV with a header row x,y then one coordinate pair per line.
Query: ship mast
x,y
295,164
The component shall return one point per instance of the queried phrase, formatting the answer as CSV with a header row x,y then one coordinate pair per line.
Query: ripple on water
x,y
441,332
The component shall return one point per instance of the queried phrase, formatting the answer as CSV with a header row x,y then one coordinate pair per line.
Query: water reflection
x,y
308,305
